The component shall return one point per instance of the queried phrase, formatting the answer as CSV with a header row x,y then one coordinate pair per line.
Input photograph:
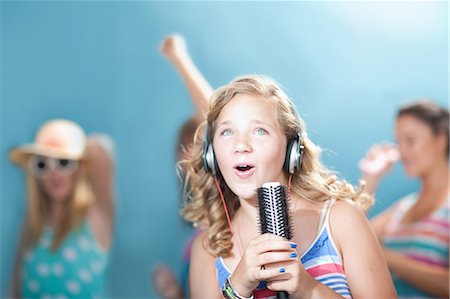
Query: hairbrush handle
x,y
282,295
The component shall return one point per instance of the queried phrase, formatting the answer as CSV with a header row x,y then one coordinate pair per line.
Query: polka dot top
x,y
75,270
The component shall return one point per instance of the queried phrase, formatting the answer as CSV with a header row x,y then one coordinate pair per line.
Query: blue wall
x,y
348,66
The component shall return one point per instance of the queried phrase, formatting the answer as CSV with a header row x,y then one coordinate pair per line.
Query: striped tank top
x,y
321,260
426,241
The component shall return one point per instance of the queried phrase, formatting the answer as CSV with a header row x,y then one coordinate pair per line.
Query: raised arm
x,y
100,166
100,159
174,48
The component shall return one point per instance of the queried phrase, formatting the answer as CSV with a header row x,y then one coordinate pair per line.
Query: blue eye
x,y
226,132
261,131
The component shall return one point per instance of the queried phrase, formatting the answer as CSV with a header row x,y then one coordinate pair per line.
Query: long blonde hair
x,y
38,209
313,182
37,214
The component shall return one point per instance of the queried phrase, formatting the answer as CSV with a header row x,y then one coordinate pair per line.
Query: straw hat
x,y
57,138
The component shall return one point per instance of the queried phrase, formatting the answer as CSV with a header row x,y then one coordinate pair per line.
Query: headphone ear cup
x,y
205,156
300,155
294,155
287,159
214,165
208,156
209,159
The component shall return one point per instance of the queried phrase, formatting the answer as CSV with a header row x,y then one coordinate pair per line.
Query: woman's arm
x,y
202,273
100,163
363,261
430,279
174,48
100,159
380,222
15,291
15,280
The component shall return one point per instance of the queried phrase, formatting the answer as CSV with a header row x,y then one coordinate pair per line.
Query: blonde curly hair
x,y
313,182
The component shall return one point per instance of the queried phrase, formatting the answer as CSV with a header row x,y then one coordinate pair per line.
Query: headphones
x,y
292,162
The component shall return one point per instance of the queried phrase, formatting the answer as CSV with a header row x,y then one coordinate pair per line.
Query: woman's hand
x,y
377,163
174,47
271,258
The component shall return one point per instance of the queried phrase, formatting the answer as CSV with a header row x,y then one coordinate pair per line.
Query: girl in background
x,y
175,50
414,231
67,233
254,136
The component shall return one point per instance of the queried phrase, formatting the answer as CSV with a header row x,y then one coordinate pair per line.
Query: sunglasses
x,y
40,167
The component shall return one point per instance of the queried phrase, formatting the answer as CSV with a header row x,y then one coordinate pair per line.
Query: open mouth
x,y
244,170
244,167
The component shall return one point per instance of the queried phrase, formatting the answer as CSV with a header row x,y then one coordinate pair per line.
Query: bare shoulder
x,y
348,223
347,213
199,241
202,270
100,146
200,246
356,241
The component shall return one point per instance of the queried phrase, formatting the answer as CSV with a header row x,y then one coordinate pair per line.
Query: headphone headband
x,y
292,162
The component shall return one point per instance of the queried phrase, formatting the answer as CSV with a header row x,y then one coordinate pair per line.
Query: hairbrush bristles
x,y
274,212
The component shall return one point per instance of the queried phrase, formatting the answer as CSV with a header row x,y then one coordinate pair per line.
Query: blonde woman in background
x,y
67,232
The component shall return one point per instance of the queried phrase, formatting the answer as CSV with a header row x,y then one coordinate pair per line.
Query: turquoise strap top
x,y
75,270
